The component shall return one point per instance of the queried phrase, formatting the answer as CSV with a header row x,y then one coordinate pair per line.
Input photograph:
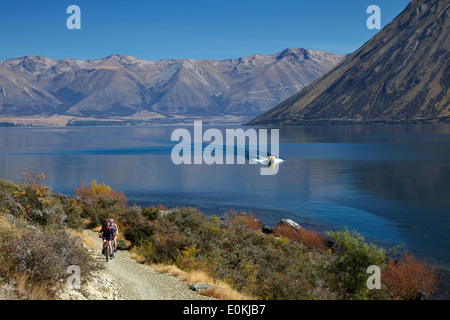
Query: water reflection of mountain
x,y
418,183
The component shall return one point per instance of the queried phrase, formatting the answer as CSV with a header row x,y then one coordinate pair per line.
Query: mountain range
x,y
121,85
401,75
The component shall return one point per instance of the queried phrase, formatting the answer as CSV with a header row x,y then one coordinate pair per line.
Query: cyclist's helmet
x,y
111,220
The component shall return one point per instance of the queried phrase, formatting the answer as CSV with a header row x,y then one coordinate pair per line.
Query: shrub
x,y
100,202
139,231
73,212
409,276
32,201
35,195
150,213
42,255
100,195
186,259
310,238
161,207
243,219
167,248
354,256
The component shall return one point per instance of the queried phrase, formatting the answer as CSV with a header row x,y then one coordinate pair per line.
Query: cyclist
x,y
107,234
116,233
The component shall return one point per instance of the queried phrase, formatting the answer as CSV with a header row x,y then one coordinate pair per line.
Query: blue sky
x,y
195,29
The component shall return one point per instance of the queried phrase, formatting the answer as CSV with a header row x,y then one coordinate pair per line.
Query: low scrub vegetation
x,y
409,277
233,251
286,264
35,246
349,267
310,238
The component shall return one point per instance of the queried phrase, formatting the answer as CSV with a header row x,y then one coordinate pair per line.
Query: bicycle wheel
x,y
107,251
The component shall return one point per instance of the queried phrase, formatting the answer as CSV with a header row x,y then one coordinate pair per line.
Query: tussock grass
x,y
32,290
219,289
85,238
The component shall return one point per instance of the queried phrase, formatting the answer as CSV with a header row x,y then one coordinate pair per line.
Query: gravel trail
x,y
136,281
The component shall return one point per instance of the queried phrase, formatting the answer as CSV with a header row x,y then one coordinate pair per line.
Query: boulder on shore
x,y
288,222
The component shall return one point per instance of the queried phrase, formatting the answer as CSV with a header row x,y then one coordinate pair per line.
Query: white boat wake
x,y
270,160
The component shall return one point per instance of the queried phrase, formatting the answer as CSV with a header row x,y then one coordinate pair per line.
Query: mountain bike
x,y
109,255
113,248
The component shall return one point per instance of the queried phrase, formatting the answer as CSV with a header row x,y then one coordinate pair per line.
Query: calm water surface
x,y
391,183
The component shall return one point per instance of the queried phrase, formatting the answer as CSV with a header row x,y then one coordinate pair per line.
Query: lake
x,y
388,182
